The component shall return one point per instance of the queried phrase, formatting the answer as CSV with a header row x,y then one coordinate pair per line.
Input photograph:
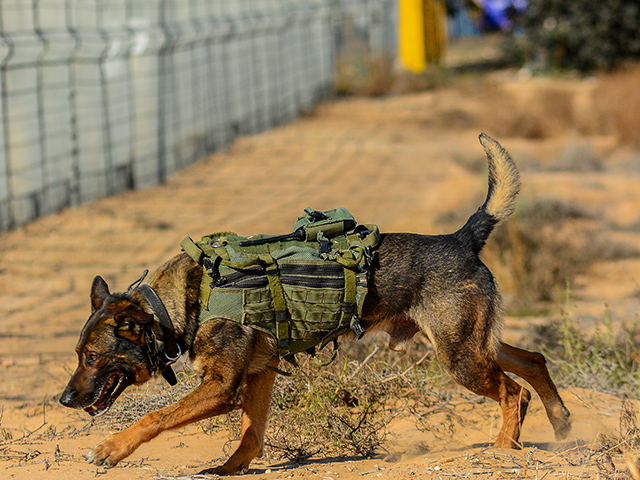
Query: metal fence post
x,y
97,96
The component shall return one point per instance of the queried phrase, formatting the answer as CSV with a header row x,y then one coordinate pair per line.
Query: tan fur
x,y
504,174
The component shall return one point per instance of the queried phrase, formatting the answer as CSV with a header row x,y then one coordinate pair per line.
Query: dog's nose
x,y
67,397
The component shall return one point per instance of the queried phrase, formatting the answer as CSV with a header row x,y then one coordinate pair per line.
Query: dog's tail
x,y
504,183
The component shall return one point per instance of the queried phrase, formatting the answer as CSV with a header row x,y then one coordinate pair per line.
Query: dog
x,y
435,284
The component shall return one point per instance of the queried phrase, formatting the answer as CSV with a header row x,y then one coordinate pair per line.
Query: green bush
x,y
585,35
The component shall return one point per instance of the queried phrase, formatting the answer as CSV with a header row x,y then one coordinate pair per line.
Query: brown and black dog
x,y
434,284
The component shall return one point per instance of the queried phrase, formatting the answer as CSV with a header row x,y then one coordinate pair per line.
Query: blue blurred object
x,y
460,21
472,17
499,13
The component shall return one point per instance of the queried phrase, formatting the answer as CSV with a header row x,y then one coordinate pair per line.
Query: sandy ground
x,y
400,162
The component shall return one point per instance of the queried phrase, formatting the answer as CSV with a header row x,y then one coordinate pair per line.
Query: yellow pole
x,y
412,34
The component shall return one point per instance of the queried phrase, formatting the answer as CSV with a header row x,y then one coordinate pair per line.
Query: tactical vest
x,y
305,288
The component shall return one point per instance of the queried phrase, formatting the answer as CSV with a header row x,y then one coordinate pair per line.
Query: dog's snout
x,y
72,398
68,397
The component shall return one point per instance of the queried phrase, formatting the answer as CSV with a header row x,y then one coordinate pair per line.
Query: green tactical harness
x,y
305,288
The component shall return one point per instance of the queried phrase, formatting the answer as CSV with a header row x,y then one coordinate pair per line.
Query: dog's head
x,y
111,351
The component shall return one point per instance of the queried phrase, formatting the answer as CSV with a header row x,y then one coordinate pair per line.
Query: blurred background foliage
x,y
584,35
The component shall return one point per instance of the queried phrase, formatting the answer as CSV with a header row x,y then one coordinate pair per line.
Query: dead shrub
x,y
545,243
605,360
577,157
617,101
345,408
546,112
360,73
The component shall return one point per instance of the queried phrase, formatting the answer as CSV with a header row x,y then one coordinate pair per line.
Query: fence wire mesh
x,y
99,96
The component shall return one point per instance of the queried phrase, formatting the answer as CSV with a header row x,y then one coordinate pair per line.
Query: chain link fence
x,y
99,96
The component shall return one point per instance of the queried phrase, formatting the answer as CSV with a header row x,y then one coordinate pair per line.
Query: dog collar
x,y
172,350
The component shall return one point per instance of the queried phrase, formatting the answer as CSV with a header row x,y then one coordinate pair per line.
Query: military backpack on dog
x,y
305,288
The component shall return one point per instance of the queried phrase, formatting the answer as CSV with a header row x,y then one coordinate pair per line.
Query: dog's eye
x,y
91,357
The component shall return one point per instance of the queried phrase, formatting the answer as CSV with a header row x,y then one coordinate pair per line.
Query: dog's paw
x,y
110,451
224,470
562,424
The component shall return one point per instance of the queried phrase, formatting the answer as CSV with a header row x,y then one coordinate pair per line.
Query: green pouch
x,y
331,223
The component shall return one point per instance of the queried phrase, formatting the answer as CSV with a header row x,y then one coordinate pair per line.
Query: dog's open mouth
x,y
111,390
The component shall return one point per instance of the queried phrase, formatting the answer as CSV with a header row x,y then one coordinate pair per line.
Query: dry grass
x,y
546,243
605,360
138,401
341,409
577,157
606,105
345,409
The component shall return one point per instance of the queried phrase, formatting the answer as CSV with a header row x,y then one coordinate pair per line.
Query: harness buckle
x,y
358,329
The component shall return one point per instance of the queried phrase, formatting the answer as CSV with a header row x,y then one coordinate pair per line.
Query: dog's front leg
x,y
212,397
255,411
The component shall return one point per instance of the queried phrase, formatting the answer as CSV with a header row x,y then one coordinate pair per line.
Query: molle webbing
x,y
303,292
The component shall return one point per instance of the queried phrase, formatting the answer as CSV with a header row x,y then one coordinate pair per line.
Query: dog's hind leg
x,y
531,367
464,342
513,400
484,376
255,410
473,365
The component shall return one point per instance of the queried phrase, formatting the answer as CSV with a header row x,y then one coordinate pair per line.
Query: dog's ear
x,y
139,316
129,329
124,309
130,322
99,291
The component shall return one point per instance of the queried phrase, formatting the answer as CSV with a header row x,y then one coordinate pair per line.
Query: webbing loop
x,y
279,305
349,303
